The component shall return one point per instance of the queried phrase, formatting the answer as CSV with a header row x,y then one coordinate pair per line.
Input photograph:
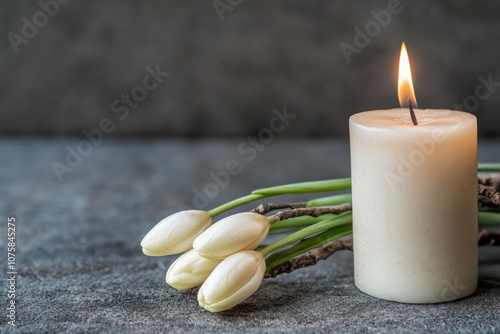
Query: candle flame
x,y
405,82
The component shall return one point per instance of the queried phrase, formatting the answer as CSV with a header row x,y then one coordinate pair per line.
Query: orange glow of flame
x,y
405,83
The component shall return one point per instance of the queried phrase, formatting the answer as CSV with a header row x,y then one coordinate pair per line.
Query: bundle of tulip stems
x,y
226,258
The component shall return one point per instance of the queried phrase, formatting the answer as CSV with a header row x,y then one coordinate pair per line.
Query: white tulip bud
x,y
239,232
235,279
190,270
176,233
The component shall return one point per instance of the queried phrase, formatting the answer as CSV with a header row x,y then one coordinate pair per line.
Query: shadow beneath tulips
x,y
289,297
278,296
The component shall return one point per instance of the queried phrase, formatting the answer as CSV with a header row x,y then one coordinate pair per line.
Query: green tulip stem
x,y
235,203
341,219
488,167
297,222
330,200
488,218
293,188
306,187
278,258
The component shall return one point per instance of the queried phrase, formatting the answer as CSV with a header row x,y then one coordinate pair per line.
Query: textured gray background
x,y
81,269
226,76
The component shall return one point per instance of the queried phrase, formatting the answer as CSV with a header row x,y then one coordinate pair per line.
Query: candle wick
x,y
412,113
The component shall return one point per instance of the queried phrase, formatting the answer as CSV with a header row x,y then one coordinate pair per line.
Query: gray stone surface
x,y
226,76
81,268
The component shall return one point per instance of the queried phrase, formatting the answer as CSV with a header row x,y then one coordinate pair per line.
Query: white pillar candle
x,y
414,191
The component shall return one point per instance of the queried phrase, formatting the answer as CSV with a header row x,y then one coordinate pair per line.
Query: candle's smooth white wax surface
x,y
414,204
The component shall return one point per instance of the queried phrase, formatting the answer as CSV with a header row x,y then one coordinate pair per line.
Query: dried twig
x,y
265,208
313,212
491,180
486,206
490,193
312,257
488,238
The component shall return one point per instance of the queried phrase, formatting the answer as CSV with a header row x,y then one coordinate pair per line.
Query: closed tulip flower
x,y
190,270
239,232
235,279
176,233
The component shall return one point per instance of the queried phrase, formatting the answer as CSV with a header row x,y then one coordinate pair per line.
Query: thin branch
x,y
313,212
486,205
265,208
312,257
490,180
488,238
490,193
